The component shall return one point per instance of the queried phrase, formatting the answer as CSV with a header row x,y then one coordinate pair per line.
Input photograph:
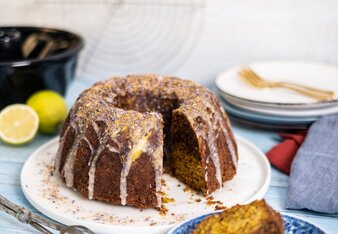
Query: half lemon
x,y
18,124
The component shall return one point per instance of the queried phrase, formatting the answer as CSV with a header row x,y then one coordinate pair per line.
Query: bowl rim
x,y
55,57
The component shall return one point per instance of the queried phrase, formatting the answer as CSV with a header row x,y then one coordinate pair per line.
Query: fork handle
x,y
304,91
24,215
311,89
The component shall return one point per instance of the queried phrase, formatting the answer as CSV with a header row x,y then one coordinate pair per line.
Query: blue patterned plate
x,y
292,225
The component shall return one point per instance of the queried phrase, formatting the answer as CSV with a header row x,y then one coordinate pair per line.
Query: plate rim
x,y
248,114
276,104
283,106
121,228
284,113
316,105
171,231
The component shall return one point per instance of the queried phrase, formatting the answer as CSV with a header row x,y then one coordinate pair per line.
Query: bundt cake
x,y
255,218
120,131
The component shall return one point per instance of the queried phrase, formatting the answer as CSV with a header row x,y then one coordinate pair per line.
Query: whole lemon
x,y
51,109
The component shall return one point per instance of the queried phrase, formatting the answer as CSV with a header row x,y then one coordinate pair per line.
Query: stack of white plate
x,y
278,107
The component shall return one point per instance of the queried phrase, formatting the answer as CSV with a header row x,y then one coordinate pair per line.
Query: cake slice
x,y
255,218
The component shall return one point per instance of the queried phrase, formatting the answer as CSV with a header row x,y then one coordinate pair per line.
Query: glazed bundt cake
x,y
254,218
120,131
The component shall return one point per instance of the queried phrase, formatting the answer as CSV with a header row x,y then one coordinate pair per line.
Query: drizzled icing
x,y
158,167
112,149
62,142
60,149
90,148
142,145
211,133
92,168
103,140
97,104
228,138
67,170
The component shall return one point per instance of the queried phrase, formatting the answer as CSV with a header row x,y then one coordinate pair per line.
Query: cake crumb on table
x,y
167,199
163,182
220,207
163,210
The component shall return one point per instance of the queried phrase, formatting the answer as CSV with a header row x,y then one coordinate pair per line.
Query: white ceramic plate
x,y
265,120
291,225
278,106
292,113
311,74
51,197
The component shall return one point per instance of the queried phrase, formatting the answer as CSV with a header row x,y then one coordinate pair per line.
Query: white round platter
x,y
305,73
51,197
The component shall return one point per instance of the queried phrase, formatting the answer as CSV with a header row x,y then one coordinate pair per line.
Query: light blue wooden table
x,y
12,159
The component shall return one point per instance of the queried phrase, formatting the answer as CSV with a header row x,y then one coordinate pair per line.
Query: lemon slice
x,y
18,124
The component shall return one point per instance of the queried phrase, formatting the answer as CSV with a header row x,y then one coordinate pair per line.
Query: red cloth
x,y
282,154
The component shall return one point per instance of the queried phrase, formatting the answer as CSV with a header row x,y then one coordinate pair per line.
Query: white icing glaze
x,y
158,164
59,151
219,118
126,167
108,100
210,138
91,150
89,145
230,144
142,145
211,119
62,142
94,158
206,169
67,170
92,170
96,128
112,149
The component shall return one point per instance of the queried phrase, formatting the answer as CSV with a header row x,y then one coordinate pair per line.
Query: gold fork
x,y
257,81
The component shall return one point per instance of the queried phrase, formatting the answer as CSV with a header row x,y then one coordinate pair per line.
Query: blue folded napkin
x,y
313,182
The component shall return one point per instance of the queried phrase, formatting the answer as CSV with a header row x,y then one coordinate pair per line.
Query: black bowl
x,y
34,58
